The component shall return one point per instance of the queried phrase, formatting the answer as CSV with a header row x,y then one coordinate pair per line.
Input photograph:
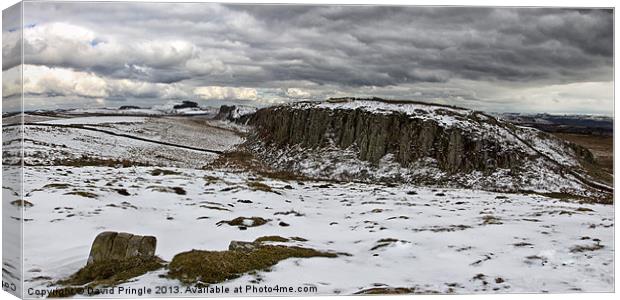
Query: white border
x,y
565,3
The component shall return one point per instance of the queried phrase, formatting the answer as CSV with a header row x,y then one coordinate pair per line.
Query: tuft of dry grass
x,y
245,160
22,203
383,243
87,161
84,194
386,291
56,186
271,238
259,186
586,248
105,274
211,267
164,189
113,272
491,220
243,222
158,172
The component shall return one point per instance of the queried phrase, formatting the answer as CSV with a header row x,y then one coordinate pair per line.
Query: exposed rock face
x,y
375,135
242,246
413,142
234,113
110,245
226,112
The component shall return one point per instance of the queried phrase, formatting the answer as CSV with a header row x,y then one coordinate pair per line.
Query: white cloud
x,y
226,93
59,81
11,82
53,81
297,93
205,66
68,45
143,89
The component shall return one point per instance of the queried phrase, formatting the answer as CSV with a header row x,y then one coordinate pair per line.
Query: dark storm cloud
x,y
353,45
388,46
341,47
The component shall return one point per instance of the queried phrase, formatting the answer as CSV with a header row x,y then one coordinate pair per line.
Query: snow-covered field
x,y
96,120
397,236
166,109
433,240
45,144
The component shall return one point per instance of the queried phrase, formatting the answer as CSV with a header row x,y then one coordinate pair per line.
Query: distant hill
x,y
583,124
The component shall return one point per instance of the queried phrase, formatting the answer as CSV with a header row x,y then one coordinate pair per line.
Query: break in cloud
x,y
499,59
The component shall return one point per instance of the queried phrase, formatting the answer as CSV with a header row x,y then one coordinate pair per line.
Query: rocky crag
x,y
234,113
416,142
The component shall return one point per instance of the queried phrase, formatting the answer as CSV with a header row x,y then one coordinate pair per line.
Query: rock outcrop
x,y
110,246
416,136
483,143
234,113
115,258
186,104
242,246
226,112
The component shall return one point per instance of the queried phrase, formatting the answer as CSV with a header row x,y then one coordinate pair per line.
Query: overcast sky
x,y
494,59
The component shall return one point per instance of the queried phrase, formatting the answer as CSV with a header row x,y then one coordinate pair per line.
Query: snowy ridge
x,y
545,165
158,110
466,119
242,110
446,116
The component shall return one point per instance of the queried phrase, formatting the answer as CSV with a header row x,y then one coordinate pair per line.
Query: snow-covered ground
x,y
166,109
97,120
198,132
47,144
433,240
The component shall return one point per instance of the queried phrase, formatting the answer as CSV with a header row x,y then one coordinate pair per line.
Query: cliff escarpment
x,y
375,135
413,142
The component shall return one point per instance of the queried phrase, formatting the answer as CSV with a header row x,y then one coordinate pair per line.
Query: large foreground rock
x,y
110,245
115,258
